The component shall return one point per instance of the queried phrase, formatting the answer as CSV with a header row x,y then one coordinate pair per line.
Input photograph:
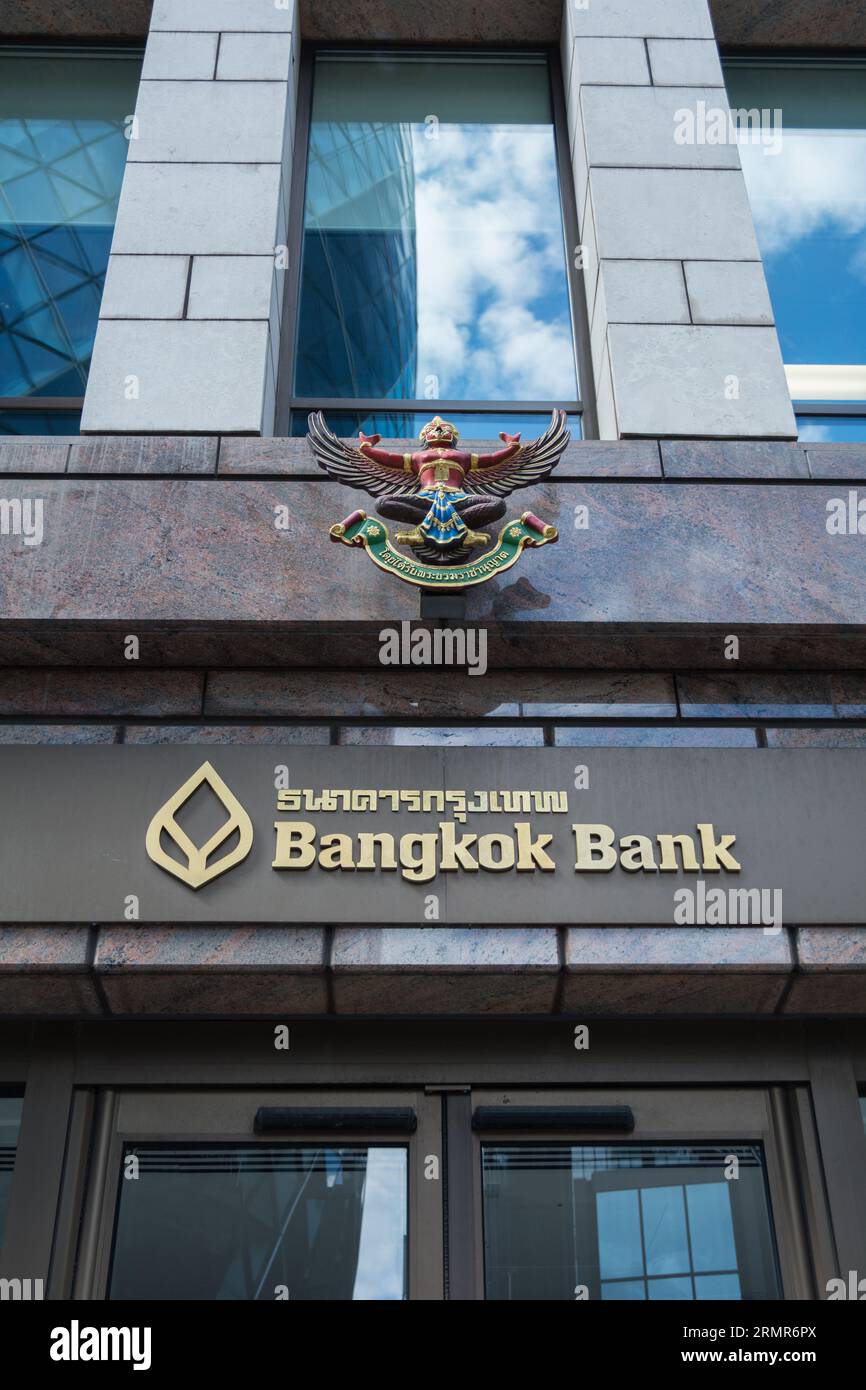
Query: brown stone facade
x,y
757,23
253,634
754,22
683,544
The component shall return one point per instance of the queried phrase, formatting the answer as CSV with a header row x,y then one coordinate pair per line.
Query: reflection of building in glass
x,y
358,330
50,287
59,182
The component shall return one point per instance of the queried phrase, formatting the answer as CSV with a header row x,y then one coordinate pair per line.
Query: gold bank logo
x,y
421,855
194,868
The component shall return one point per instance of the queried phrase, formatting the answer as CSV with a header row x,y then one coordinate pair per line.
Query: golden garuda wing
x,y
534,462
347,465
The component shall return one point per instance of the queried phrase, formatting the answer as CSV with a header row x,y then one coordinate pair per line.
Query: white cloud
x,y
493,313
815,434
816,185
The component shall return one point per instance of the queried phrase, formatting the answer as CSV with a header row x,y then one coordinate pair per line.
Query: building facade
x,y
625,1059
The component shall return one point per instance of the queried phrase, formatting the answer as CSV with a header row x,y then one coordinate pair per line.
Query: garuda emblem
x,y
444,496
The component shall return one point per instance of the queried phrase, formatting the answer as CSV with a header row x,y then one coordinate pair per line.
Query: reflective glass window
x,y
807,188
433,257
393,425
627,1222
59,422
831,429
250,1222
63,150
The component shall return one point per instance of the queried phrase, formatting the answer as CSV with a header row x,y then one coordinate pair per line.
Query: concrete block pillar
x,y
683,337
189,327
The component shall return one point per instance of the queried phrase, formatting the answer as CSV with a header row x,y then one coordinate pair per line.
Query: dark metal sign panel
x,y
418,836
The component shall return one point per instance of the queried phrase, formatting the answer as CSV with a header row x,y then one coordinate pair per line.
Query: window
x,y
434,273
627,1222
808,196
255,1222
10,1123
63,150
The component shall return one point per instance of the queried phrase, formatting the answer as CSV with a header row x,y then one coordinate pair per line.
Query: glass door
x,y
645,1195
676,1194
267,1196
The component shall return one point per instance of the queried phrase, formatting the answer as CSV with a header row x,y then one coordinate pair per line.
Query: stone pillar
x,y
190,322
683,337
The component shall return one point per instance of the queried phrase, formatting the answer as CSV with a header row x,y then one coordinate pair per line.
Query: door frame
x,y
670,1115
70,1070
225,1115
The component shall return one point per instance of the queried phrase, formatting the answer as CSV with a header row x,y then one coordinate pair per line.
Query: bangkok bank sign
x,y
420,856
370,835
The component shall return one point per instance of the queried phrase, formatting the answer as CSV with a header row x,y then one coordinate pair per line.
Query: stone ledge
x,y
444,970
445,21
137,454
160,694
50,731
755,23
334,645
80,19
47,971
34,454
285,457
193,971
55,735
675,970
832,971
161,552
757,696
199,994
837,461
794,24
764,461
216,735
247,971
415,694
583,458
673,992
47,733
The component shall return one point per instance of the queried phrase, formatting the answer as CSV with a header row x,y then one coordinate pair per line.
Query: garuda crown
x,y
437,429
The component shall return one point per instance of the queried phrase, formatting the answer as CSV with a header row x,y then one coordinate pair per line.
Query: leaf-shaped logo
x,y
196,872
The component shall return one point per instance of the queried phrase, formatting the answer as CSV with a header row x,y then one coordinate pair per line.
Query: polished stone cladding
x,y
163,524
682,334
251,634
796,23
254,970
189,327
216,553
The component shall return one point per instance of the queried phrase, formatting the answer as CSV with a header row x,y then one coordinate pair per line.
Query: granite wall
x,y
256,970
217,554
762,23
253,633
